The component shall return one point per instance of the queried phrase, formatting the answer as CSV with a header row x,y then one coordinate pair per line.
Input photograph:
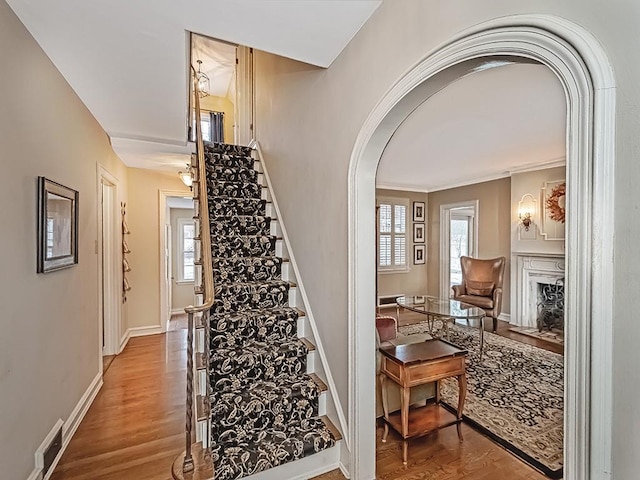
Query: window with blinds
x,y
392,233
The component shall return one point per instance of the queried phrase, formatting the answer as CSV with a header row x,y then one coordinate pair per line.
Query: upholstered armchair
x,y
387,334
482,285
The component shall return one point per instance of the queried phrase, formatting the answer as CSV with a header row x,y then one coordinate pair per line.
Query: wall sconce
x,y
526,210
186,177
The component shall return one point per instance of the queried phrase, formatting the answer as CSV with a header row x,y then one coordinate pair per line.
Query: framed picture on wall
x,y
418,211
57,226
419,254
418,233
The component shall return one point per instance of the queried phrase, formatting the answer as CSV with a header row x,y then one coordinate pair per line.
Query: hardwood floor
x,y
440,456
135,427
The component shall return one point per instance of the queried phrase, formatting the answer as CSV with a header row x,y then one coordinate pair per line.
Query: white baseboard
x,y
344,470
139,332
303,469
177,311
505,317
35,475
143,331
68,428
78,413
124,340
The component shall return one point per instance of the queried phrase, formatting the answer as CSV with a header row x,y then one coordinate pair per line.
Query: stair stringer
x,y
334,409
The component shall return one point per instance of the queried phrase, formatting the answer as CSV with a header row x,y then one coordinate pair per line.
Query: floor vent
x,y
51,452
49,449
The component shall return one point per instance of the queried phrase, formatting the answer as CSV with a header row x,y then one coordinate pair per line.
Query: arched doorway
x,y
582,67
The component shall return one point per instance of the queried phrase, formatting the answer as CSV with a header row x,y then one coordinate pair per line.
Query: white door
x,y
460,243
458,237
109,267
168,267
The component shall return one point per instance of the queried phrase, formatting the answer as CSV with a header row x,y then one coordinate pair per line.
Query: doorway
x,y
177,247
565,48
458,237
109,257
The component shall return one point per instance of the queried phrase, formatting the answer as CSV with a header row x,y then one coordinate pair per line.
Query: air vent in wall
x,y
51,451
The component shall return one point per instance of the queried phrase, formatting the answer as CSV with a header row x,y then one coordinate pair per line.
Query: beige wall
x,y
532,183
144,242
413,282
221,104
181,293
494,227
308,120
49,347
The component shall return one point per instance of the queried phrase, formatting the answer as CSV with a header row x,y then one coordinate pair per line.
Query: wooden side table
x,y
415,364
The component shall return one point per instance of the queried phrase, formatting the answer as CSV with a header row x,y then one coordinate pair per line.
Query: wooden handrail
x,y
205,231
206,287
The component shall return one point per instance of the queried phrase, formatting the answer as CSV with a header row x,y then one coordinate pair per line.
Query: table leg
x,y
385,405
445,322
406,392
462,393
481,335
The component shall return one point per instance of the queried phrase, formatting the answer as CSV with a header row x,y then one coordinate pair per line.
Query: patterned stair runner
x,y
264,406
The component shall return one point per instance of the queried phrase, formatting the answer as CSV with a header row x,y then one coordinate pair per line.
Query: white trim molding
x,y
68,428
445,240
581,65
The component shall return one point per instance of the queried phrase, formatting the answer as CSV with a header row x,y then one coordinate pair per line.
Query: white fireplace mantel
x,y
531,269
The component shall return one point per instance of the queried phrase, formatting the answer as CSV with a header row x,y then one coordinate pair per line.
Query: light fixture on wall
x,y
203,81
186,177
526,210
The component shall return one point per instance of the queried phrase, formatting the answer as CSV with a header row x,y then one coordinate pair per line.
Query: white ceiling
x,y
481,127
127,60
180,202
218,63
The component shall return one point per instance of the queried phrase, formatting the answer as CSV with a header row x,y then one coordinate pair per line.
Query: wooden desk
x,y
415,364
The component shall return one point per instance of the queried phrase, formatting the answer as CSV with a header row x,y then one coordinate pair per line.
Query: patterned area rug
x,y
553,336
515,395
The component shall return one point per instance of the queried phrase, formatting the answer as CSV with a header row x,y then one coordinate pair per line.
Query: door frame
x,y
109,274
165,313
445,233
582,66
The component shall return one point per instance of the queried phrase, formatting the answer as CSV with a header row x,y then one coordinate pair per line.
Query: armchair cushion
x,y
482,289
482,302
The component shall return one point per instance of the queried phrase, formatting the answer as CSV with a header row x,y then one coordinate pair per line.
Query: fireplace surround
x,y
532,270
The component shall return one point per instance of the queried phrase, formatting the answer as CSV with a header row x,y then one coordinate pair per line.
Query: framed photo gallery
x,y
419,234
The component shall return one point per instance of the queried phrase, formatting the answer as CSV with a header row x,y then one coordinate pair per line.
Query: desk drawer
x,y
432,371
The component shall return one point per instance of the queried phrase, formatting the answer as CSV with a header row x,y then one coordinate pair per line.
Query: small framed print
x,y
418,233
57,226
419,254
418,211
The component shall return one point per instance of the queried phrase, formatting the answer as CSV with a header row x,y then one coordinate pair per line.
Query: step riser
x,y
240,376
240,225
244,246
234,190
246,270
241,297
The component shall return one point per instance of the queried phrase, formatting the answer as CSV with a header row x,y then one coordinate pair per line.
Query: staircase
x,y
260,401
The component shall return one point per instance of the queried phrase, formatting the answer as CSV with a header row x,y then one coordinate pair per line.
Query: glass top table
x,y
444,309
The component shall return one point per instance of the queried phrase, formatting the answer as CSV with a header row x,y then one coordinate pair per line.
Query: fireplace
x,y
539,284
550,305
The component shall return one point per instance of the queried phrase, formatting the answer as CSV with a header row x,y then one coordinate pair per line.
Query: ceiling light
x,y
203,81
186,177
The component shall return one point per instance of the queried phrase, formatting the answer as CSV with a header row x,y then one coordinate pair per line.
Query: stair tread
x,y
256,347
283,382
256,312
